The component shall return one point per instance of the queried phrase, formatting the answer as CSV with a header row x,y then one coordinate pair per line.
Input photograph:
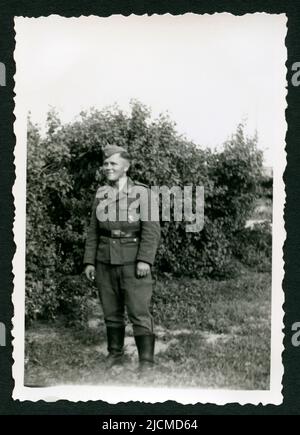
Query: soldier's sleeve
x,y
91,242
150,230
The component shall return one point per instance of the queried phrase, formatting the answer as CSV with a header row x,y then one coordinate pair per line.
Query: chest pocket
x,y
134,212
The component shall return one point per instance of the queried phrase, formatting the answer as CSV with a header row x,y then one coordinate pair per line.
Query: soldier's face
x,y
115,167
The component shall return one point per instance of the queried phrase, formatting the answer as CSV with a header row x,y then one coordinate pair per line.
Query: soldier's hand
x,y
142,269
90,272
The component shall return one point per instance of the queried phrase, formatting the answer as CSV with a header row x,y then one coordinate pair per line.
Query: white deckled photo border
x,y
114,394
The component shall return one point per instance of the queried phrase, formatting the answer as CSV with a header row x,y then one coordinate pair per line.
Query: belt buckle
x,y
116,233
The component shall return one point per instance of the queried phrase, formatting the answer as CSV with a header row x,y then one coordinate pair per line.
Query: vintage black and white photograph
x,y
149,202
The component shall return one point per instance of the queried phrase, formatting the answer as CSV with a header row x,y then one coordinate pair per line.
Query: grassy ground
x,y
217,335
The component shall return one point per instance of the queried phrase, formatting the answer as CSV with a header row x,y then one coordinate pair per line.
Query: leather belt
x,y
118,234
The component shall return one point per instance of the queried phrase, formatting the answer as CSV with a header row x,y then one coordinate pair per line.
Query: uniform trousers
x,y
119,287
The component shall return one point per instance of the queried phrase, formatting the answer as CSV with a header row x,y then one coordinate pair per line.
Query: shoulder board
x,y
102,190
141,184
102,187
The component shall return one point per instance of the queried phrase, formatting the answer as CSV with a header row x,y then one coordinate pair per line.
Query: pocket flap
x,y
129,240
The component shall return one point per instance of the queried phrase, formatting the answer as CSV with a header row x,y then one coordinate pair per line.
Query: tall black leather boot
x,y
115,344
145,345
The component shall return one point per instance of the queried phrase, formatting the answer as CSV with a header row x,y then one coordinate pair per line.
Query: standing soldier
x,y
120,249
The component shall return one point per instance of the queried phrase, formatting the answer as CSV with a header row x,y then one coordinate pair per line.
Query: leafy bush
x,y
64,170
41,252
253,247
73,296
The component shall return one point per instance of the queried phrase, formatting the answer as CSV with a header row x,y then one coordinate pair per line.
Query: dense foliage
x,y
64,170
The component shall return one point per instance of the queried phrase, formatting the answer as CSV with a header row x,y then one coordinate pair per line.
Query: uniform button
x,y
134,240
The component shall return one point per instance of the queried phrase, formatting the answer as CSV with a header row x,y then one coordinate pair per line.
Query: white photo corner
x,y
181,298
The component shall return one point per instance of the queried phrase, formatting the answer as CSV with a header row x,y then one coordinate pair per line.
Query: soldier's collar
x,y
103,191
128,185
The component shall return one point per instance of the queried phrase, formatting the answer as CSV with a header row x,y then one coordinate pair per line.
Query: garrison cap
x,y
110,150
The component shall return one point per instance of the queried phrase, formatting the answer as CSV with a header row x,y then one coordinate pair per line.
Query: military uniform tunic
x,y
122,232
